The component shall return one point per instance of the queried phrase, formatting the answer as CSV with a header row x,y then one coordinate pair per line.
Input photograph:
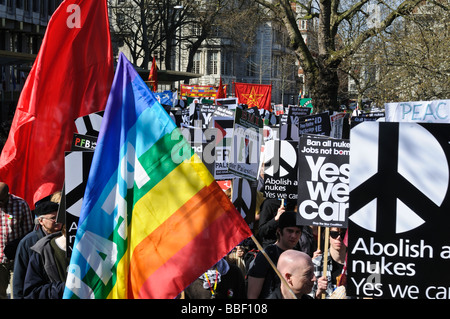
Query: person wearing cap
x,y
262,279
45,222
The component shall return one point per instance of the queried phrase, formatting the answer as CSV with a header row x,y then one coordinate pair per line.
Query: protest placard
x,y
246,144
224,126
437,111
323,191
230,103
337,124
398,217
244,198
203,113
280,169
318,124
77,166
290,122
367,117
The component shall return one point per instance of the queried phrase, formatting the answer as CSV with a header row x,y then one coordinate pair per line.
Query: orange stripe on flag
x,y
166,283
176,232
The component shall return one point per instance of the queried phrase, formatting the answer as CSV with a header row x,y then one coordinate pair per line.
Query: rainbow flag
x,y
153,218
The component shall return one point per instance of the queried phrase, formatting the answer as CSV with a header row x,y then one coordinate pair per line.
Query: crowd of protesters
x,y
34,260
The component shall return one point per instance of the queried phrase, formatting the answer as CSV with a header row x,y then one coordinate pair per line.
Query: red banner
x,y
70,78
259,95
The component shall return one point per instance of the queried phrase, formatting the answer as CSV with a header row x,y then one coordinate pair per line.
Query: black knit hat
x,y
289,219
46,208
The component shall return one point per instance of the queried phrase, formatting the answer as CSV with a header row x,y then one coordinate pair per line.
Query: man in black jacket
x,y
45,224
47,270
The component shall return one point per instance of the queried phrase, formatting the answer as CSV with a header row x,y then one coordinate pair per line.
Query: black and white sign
x,y
203,113
230,103
399,211
280,169
290,122
323,185
318,124
77,166
367,117
246,144
224,126
244,198
90,124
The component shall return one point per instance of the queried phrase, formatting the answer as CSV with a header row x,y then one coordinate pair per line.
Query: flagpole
x,y
325,255
273,265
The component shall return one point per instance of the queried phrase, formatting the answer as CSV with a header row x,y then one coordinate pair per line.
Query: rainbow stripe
x,y
153,218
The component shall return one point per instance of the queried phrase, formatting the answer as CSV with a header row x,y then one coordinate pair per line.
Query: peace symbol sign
x,y
399,175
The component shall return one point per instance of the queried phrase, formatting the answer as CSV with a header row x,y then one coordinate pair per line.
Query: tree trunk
x,y
324,87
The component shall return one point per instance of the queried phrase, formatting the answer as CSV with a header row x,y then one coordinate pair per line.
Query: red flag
x,y
153,76
259,95
71,77
220,91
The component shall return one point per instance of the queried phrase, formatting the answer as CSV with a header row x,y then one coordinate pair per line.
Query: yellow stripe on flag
x,y
155,207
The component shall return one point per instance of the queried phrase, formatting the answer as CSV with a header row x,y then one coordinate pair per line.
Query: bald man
x,y
16,221
297,269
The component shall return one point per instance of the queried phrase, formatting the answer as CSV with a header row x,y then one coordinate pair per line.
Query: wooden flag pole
x,y
325,255
319,236
273,266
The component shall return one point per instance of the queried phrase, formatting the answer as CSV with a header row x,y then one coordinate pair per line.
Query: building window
x,y
251,66
303,25
196,62
196,29
213,60
227,63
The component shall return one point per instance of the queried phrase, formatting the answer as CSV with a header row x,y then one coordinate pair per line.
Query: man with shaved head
x,y
297,269
15,222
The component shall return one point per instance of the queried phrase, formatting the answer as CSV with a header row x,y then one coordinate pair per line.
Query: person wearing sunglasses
x,y
327,283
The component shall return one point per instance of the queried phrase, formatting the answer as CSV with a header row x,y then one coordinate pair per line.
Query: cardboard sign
x,y
437,111
323,190
280,169
246,144
399,211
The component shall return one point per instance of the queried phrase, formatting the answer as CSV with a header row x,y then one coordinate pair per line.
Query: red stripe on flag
x,y
192,239
167,282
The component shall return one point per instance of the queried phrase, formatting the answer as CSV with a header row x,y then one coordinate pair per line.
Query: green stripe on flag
x,y
162,158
